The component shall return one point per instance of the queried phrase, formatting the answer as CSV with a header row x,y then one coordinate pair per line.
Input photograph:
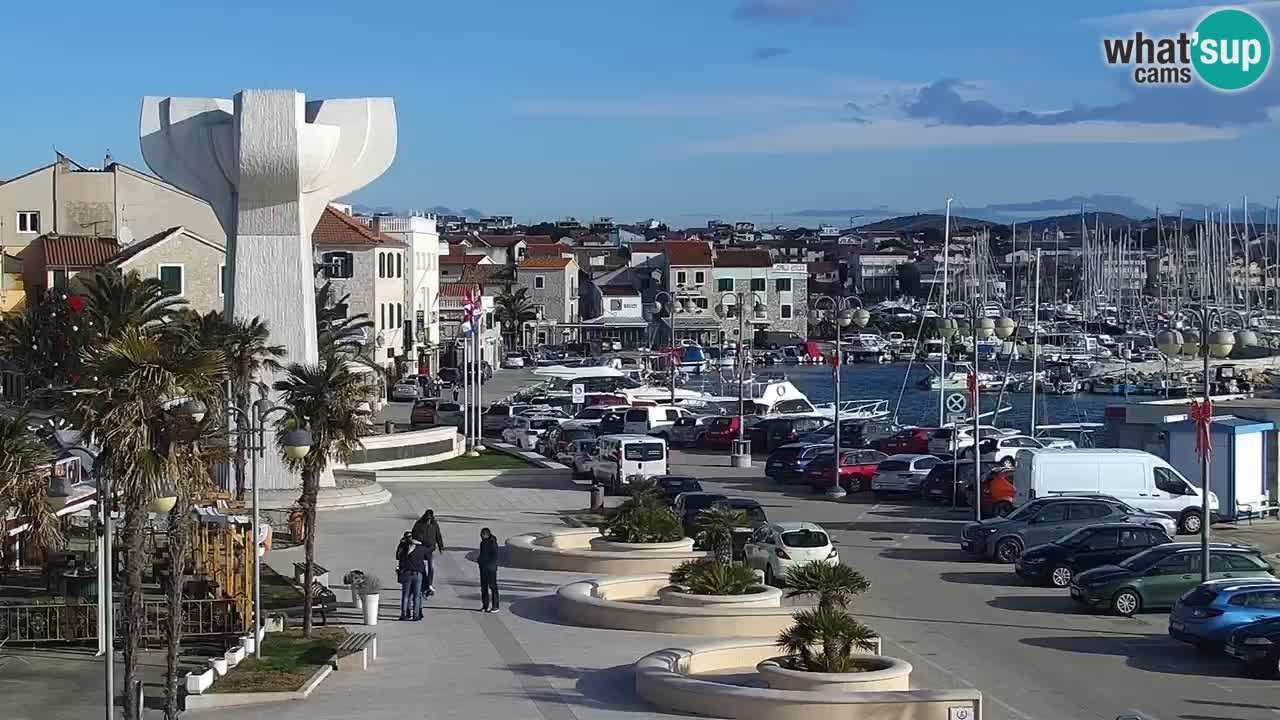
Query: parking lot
x,y
1032,651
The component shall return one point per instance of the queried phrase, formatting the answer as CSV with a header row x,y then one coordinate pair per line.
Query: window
x,y
643,451
59,281
337,265
1166,481
1102,540
681,278
1053,513
782,285
382,309
222,280
399,314
1242,562
1136,537
724,285
539,282
29,221
1180,564
699,278
786,312
399,265
700,303
615,305
673,414
757,284
382,265
171,278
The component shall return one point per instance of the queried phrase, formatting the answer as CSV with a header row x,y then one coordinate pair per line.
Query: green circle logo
x,y
1232,49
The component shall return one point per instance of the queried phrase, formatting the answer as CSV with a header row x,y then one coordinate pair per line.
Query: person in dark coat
x,y
411,567
487,559
427,531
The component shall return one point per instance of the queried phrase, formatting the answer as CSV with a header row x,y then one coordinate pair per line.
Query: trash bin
x,y
390,427
597,496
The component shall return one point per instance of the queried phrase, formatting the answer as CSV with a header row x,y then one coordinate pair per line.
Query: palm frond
x,y
835,585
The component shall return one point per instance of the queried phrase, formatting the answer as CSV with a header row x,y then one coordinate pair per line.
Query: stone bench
x,y
356,652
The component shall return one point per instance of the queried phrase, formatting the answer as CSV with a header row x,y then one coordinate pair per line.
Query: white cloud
x,y
1175,16
907,134
681,105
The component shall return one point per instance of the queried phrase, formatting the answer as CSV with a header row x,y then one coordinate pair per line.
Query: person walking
x,y
487,559
410,568
427,531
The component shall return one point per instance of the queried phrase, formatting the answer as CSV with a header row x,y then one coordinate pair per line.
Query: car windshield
x,y
672,483
700,502
894,465
1199,597
591,414
755,513
542,423
449,407
577,434
804,538
585,446
1023,512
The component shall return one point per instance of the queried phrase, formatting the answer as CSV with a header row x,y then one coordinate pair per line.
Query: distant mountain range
x,y
1067,223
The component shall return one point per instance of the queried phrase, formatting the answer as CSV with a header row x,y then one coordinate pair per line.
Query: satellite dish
x,y
125,236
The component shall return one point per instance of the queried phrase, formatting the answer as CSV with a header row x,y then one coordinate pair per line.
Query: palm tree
x,y
834,633
514,307
115,302
835,585
336,330
24,480
715,528
46,339
332,402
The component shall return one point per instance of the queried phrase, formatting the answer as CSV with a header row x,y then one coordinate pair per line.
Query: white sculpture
x,y
269,162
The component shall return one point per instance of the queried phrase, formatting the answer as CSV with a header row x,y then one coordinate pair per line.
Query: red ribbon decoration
x,y
76,302
972,381
1202,416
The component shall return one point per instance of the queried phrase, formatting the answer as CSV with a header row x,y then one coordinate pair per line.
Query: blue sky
x,y
739,109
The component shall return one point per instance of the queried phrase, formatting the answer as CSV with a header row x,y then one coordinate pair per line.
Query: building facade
x,y
421,238
552,284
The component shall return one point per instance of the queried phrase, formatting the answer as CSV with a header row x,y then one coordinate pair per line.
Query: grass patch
x,y
278,591
487,461
288,661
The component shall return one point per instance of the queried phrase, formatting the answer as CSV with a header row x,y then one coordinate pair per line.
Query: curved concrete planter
x,y
672,680
569,550
615,603
600,544
759,596
882,673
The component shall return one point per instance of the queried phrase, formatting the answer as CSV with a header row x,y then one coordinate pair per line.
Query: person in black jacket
x,y
487,559
410,568
427,531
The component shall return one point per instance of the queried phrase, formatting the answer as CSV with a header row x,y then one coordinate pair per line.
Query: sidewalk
x,y
1264,533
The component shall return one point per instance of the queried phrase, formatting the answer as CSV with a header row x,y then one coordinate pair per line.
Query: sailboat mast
x,y
1035,346
942,313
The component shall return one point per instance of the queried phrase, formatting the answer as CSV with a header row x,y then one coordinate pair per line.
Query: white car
x,y
584,450
406,390
511,361
777,547
449,413
953,440
523,432
1004,449
591,416
902,473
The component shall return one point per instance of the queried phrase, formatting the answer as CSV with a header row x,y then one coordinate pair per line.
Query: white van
x,y
1131,476
619,458
657,420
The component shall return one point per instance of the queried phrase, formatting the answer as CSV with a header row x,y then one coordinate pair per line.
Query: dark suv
x,y
1045,520
1257,645
1056,562
775,432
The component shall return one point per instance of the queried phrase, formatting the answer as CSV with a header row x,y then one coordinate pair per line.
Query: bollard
x,y
389,427
597,496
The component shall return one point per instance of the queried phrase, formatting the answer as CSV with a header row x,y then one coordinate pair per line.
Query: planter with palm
x,y
715,529
826,638
642,519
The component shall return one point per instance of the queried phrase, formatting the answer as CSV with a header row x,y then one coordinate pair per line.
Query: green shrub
x,y
709,577
824,638
642,519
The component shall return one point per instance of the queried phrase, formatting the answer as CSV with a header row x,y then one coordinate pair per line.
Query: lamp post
x,y
843,317
674,304
1208,341
741,457
297,444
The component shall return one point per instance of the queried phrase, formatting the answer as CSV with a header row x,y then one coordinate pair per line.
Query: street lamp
x,y
843,319
296,444
674,304
1219,344
741,456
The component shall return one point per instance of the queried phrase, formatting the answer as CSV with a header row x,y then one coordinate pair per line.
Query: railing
x,y
58,623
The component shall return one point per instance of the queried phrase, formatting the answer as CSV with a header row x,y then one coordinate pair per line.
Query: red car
x,y
912,441
721,432
856,470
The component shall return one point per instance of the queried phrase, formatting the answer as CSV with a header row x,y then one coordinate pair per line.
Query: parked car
x,y
950,480
775,432
857,468
670,486
1004,450
1057,561
405,390
687,505
908,441
1045,520
1138,478
557,442
1257,645
612,422
786,464
688,430
998,493
498,416
449,413
953,440
1158,577
1207,615
622,458
755,518
591,416
512,360
524,432
850,435
778,547
721,432
583,454
656,421
423,413
902,473
449,377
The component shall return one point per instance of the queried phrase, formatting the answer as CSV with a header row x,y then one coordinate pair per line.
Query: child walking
x,y
487,559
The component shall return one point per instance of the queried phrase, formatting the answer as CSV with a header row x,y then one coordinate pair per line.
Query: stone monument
x,y
269,162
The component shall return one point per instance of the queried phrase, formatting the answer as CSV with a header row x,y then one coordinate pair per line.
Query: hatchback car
x,y
513,360
754,512
449,413
689,429
778,547
1257,645
687,505
1158,577
1057,561
670,486
851,435
857,468
787,463
558,442
1004,450
909,441
1205,616
524,432
583,454
775,432
721,432
406,390
1045,520
423,413
902,473
949,480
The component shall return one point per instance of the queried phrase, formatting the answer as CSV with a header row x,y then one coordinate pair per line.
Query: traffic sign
x,y
957,402
959,712
579,393
956,418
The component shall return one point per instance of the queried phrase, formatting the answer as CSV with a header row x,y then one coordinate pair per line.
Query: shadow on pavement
x,y
1036,603
926,554
539,608
935,530
1150,653
999,579
611,688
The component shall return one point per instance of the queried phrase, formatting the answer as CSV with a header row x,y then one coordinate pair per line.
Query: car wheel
x,y
1002,508
1008,550
1190,522
1060,576
857,485
1126,602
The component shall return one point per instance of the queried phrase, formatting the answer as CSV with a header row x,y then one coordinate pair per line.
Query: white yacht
x,y
608,380
855,409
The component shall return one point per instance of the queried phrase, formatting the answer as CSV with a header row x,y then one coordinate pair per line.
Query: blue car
x,y
1206,615
787,464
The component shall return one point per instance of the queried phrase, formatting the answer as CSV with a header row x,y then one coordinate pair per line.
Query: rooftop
x,y
618,290
457,257
743,259
338,229
684,253
78,250
544,263
548,250
458,289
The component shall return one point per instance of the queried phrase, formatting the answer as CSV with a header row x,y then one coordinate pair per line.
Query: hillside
x,y
925,221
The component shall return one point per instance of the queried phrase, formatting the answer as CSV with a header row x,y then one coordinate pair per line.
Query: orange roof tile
x,y
535,263
743,258
684,253
337,228
551,250
78,250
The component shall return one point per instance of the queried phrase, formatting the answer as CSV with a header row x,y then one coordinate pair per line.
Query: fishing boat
x,y
933,350
905,350
959,380
988,348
